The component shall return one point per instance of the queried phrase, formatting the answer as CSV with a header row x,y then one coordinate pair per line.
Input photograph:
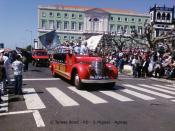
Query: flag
x,y
49,40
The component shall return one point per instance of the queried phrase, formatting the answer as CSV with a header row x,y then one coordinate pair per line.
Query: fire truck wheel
x,y
77,82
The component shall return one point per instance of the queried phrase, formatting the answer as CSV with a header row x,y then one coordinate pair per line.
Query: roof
x,y
86,8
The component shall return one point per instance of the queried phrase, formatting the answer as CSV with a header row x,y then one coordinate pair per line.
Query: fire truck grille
x,y
43,60
98,68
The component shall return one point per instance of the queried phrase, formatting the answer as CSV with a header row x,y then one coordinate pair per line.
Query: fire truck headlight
x,y
37,59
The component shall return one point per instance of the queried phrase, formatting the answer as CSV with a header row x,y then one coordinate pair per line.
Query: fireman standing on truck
x,y
77,48
84,49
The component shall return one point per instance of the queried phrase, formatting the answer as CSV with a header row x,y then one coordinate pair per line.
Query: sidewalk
x,y
128,71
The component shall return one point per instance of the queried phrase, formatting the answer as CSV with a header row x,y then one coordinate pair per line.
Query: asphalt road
x,y
50,104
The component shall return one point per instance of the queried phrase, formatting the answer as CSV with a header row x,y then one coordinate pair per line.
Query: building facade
x,y
162,19
74,22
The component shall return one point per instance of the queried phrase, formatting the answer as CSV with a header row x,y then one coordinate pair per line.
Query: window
x,y
58,25
58,15
151,16
146,20
111,18
158,15
72,37
132,28
43,24
168,16
51,14
80,26
65,15
126,19
126,28
140,30
95,24
80,16
51,24
119,19
132,19
73,15
65,37
139,20
43,14
66,25
96,19
73,25
112,28
79,38
119,28
163,16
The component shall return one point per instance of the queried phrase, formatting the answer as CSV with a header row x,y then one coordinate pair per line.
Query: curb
x,y
156,79
164,80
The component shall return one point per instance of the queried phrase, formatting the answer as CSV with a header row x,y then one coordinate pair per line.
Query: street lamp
x,y
31,37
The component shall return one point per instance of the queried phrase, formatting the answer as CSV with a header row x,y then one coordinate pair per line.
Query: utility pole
x,y
31,37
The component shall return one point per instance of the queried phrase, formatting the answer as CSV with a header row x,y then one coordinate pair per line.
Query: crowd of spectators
x,y
11,61
145,63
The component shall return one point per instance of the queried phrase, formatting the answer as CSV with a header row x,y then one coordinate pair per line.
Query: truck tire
x,y
77,82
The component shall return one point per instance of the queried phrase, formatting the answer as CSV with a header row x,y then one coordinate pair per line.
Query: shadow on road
x,y
35,70
16,98
102,87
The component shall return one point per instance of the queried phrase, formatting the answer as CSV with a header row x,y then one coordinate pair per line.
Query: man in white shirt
x,y
77,48
17,66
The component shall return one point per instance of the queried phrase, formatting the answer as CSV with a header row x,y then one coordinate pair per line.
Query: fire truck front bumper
x,y
100,81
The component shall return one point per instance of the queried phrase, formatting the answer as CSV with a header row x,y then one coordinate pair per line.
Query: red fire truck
x,y
83,69
40,57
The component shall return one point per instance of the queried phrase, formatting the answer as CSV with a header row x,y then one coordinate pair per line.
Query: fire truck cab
x,y
40,57
83,69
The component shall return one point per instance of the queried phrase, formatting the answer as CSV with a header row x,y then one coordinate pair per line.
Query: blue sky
x,y
18,18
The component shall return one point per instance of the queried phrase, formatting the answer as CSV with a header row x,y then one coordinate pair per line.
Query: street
x,y
53,104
